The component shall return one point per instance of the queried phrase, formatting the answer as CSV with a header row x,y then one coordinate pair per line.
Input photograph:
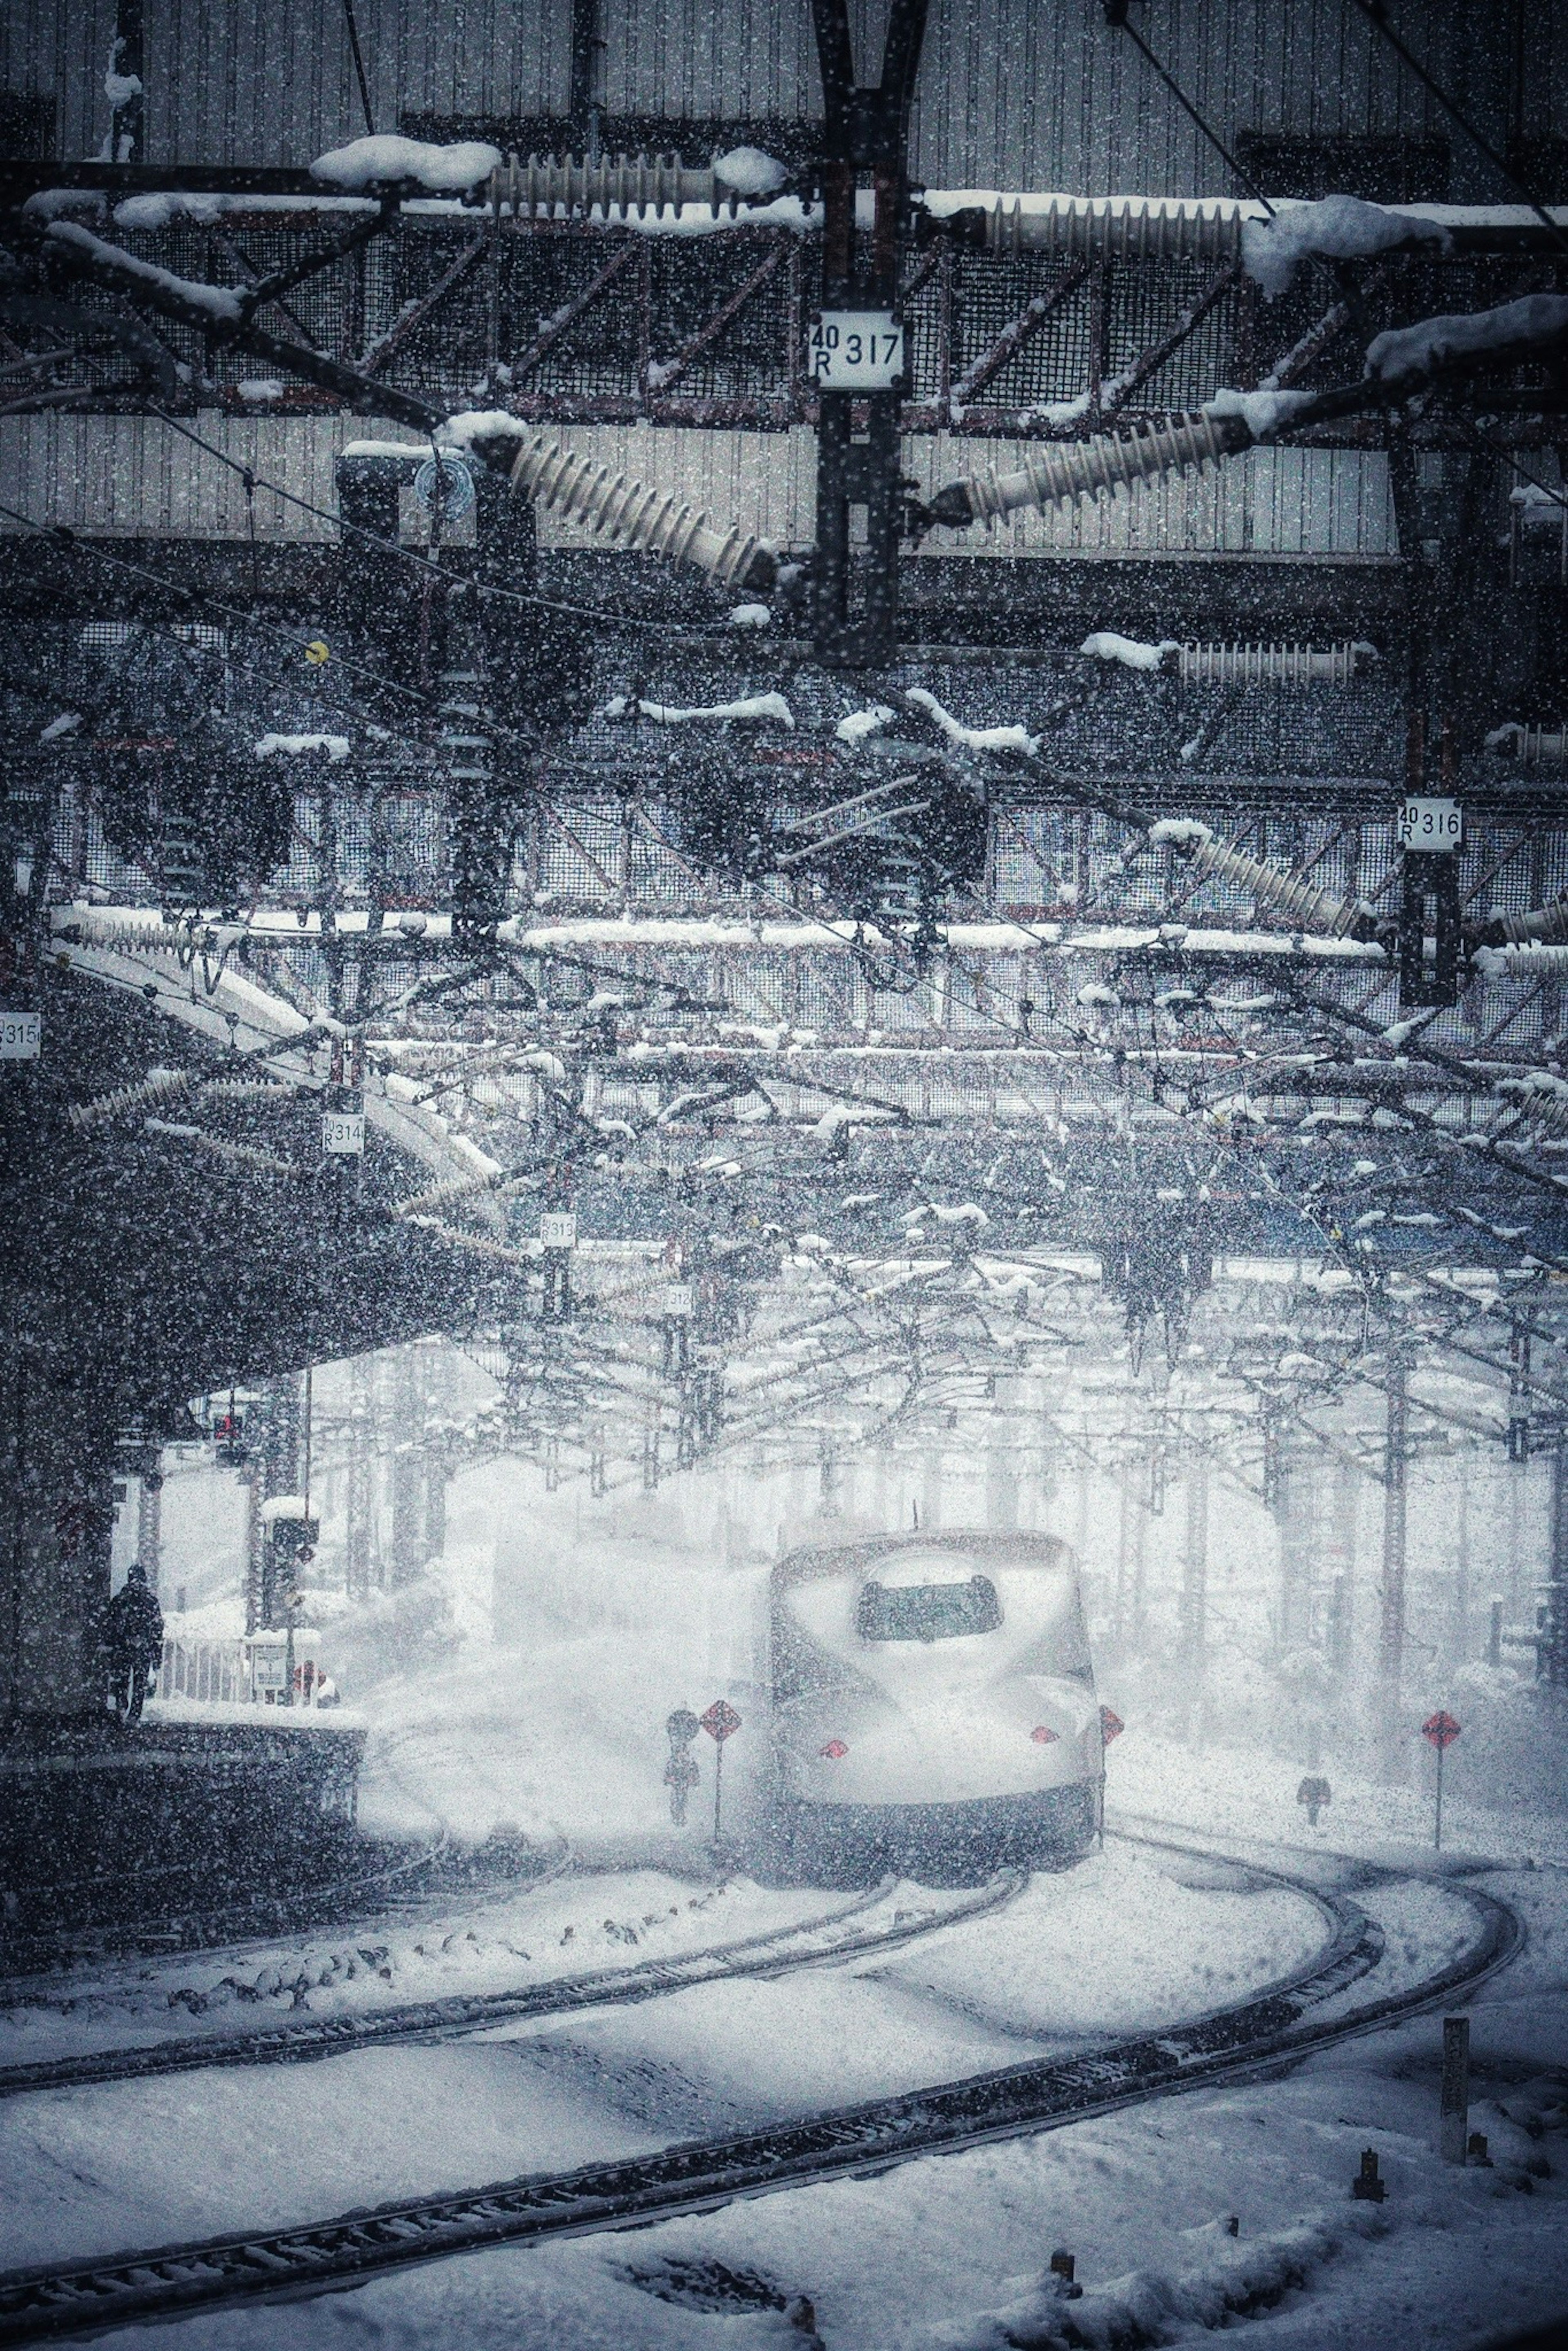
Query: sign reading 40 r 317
x,y
856,351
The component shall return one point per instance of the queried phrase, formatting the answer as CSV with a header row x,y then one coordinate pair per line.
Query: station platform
x,y
167,1830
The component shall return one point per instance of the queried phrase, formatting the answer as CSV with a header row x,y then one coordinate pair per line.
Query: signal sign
x,y
1439,1731
720,1721
1111,1724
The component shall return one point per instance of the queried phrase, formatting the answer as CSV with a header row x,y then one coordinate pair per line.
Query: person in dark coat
x,y
133,1642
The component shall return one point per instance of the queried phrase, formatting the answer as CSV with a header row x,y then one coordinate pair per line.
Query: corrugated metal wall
x,y
59,49
1013,93
131,475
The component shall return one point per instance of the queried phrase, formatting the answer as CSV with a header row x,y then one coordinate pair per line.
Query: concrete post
x,y
1454,2119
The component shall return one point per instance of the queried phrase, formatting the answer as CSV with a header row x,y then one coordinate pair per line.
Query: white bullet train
x,y
932,1708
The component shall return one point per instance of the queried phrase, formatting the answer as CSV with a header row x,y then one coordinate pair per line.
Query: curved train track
x,y
809,1943
1272,2029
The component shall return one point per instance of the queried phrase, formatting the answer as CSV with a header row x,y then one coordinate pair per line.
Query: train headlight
x,y
1042,1737
835,1750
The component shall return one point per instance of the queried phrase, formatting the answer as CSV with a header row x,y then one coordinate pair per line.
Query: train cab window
x,y
927,1612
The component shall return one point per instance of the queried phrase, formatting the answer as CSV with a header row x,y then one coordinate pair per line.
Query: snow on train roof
x,y
910,1557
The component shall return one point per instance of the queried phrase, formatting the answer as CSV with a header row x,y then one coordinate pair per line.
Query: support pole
x,y
150,1524
1195,1595
1551,1634
1391,1656
865,132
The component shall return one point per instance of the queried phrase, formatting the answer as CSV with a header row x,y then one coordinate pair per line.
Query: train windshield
x,y
927,1612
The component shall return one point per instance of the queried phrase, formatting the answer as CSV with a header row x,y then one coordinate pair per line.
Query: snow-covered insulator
x,y
1314,910
159,1087
1535,745
1548,924
439,1195
218,1146
1115,228
572,185
617,507
1059,473
1544,1104
1284,665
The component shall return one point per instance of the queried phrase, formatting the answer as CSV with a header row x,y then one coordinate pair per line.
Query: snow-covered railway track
x,y
1272,2029
841,1934
195,1927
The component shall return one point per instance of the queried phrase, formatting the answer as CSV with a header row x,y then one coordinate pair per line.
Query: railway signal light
x,y
835,1750
1042,1737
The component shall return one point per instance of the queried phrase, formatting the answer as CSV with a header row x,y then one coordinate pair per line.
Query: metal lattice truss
x,y
1024,322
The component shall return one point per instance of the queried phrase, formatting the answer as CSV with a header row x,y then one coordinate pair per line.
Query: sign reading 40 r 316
x,y
856,351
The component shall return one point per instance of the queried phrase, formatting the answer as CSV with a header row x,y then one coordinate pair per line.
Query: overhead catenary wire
x,y
1116,17
1377,15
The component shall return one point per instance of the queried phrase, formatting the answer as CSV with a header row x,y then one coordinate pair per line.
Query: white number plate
x,y
856,351
19,1036
678,1301
558,1229
343,1130
1437,825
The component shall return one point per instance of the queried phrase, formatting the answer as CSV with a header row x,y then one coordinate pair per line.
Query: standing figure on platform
x,y
133,1642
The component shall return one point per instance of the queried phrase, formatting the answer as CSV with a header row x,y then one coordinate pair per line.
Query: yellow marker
x,y
317,652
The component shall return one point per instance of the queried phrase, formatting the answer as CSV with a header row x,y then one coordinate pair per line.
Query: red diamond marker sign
x,y
1440,1731
1111,1724
720,1720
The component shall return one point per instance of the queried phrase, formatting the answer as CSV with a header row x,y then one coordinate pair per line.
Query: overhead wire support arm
x,y
866,129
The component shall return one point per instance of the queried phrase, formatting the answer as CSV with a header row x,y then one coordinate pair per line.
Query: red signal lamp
x,y
835,1750
1042,1737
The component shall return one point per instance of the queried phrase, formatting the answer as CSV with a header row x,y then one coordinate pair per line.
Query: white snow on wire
x,y
158,211
218,301
862,722
59,728
445,171
756,709
968,1213
292,747
1264,413
1105,645
749,172
471,424
1337,228
1179,832
751,616
1430,343
973,739
1535,497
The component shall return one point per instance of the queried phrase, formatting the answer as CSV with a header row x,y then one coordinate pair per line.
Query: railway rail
x,y
809,1943
1270,2029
